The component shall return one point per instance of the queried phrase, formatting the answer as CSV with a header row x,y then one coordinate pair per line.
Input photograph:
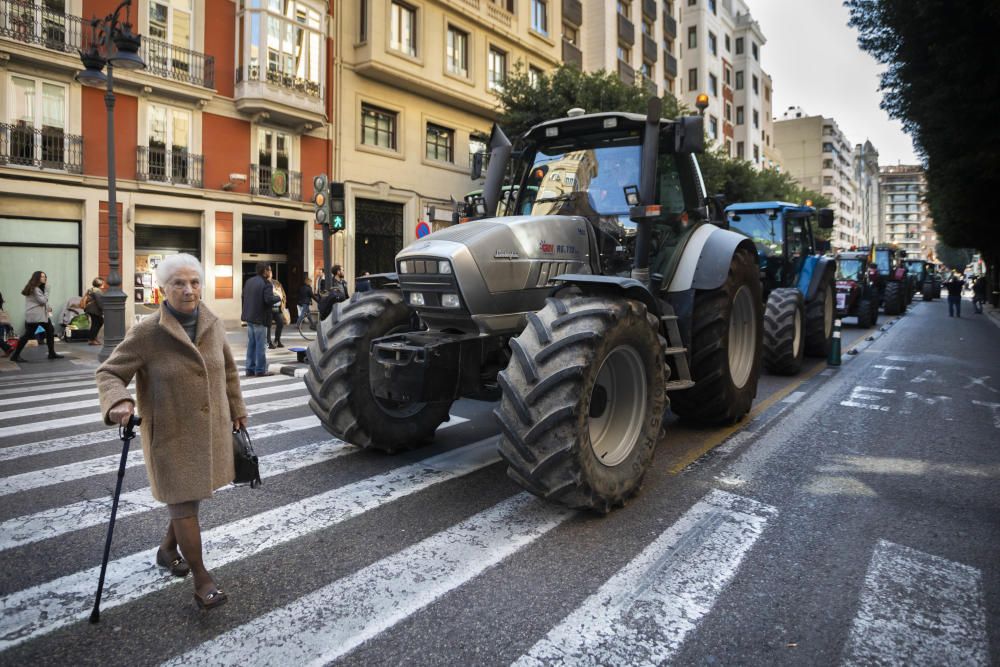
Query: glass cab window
x,y
849,269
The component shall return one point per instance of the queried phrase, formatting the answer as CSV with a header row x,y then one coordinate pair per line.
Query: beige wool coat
x,y
188,396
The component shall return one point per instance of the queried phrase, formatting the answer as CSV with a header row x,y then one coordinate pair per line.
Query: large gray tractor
x,y
610,288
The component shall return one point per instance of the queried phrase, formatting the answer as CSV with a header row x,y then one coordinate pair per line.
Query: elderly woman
x,y
189,397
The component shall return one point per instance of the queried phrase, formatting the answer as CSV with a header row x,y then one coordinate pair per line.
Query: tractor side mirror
x,y
716,205
689,135
826,218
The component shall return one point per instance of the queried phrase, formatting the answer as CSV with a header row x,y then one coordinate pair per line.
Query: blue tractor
x,y
797,280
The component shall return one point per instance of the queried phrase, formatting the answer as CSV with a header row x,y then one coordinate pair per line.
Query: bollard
x,y
834,358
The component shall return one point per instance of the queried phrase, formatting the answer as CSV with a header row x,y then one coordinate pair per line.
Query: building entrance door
x,y
378,235
280,243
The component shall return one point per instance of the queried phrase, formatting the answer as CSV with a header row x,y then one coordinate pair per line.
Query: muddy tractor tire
x,y
582,401
927,292
784,339
867,313
894,299
726,341
337,378
819,321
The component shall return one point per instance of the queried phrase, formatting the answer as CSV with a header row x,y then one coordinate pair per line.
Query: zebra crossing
x,y
644,611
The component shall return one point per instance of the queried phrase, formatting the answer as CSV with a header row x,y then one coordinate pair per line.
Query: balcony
x,y
669,26
173,62
670,65
649,9
46,148
159,165
572,12
626,31
626,73
266,181
287,100
649,49
572,55
30,23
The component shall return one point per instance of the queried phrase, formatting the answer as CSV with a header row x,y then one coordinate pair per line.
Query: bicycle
x,y
308,331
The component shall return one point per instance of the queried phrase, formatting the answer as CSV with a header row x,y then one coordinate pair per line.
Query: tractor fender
x,y
707,257
627,288
382,280
823,272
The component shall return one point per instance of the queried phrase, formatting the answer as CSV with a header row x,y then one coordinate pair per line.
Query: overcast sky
x,y
816,64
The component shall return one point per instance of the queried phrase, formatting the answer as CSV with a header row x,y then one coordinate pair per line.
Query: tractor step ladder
x,y
675,351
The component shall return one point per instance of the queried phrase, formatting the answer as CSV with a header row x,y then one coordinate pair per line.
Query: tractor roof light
x,y
701,102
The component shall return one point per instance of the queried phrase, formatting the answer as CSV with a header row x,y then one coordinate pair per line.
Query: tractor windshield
x,y
883,261
849,269
765,233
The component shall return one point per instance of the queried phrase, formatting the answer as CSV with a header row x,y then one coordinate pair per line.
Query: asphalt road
x,y
852,519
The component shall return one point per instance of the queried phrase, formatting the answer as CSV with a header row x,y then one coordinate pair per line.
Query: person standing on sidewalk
x,y
277,315
304,303
93,309
954,287
258,298
979,294
37,314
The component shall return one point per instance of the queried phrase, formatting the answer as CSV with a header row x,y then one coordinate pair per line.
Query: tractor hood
x,y
499,269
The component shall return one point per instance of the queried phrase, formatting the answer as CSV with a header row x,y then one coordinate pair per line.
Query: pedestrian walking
x,y
258,299
338,292
37,313
979,294
277,314
304,303
954,287
92,306
187,385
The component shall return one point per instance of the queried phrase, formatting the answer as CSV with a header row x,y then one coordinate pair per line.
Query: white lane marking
x,y
290,385
41,609
794,397
79,420
642,615
46,377
980,382
927,376
860,393
918,609
886,369
350,611
911,397
25,388
995,407
828,372
58,521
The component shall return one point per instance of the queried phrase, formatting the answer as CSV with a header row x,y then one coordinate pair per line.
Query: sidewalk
x,y
81,358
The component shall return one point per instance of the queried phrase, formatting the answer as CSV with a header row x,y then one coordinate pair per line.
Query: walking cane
x,y
126,433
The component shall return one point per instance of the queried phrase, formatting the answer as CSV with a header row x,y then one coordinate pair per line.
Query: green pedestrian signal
x,y
338,210
338,223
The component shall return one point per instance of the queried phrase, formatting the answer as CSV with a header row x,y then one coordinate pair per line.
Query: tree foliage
x,y
942,82
953,258
524,104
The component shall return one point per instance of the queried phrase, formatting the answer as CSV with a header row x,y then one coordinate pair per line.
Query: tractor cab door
x,y
798,246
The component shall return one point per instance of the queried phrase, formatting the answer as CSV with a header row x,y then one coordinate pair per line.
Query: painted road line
x,y
35,611
642,615
72,375
58,521
350,611
918,609
29,388
290,385
96,418
995,407
794,397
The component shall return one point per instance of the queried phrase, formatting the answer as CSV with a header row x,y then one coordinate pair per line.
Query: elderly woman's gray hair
x,y
172,263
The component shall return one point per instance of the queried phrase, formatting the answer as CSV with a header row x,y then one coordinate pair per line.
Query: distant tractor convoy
x,y
857,295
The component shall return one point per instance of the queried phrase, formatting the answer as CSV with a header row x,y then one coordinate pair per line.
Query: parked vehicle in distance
x,y
856,293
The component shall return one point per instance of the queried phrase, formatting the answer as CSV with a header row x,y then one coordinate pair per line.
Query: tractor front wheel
x,y
784,342
894,299
819,321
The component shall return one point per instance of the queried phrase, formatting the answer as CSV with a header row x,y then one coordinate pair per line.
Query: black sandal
x,y
215,598
178,566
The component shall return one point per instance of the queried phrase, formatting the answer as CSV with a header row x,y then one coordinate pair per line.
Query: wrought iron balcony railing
x,y
173,62
45,148
32,23
255,73
271,182
157,164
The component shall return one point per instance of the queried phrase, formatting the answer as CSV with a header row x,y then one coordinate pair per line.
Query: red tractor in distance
x,y
857,296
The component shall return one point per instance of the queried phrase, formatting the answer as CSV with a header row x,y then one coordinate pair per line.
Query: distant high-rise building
x,y
906,220
868,206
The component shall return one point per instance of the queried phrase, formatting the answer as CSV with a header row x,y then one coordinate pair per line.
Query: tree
x,y
953,258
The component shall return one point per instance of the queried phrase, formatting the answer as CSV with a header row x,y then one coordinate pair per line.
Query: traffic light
x,y
338,214
321,199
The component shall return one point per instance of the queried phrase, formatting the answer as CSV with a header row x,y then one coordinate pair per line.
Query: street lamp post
x,y
113,44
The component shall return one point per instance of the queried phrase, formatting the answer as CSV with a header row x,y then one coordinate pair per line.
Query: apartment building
x,y
216,141
817,155
869,203
906,219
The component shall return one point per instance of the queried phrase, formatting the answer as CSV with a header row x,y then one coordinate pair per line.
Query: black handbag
x,y
245,461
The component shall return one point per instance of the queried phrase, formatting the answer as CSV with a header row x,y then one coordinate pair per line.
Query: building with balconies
x,y
213,142
415,98
817,155
906,219
869,204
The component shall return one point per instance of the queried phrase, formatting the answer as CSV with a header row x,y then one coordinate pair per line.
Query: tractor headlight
x,y
444,266
416,299
450,301
404,267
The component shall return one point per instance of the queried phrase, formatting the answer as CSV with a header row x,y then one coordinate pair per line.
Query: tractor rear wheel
x,y
819,321
338,382
784,342
894,298
582,401
725,348
867,313
927,293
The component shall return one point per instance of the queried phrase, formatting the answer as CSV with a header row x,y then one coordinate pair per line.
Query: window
x,y
713,85
378,127
755,83
362,20
440,143
729,46
403,29
711,6
727,74
729,147
647,70
625,8
729,112
756,153
693,37
534,76
713,44
273,158
739,46
458,52
739,80
767,93
496,69
692,3
539,17
693,79
647,27
754,51
624,53
169,132
37,113
170,25
756,119
570,34
285,48
740,152
740,116
713,127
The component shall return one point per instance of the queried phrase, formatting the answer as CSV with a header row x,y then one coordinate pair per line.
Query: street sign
x,y
423,229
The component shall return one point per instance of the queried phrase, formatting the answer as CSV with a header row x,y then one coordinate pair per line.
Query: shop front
x,y
159,234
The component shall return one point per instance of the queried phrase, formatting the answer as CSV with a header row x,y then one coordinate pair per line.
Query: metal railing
x,y
173,62
32,23
46,148
254,73
279,183
157,164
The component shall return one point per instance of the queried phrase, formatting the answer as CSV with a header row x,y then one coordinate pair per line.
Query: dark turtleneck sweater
x,y
188,322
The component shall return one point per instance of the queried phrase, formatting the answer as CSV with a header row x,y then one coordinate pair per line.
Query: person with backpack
x,y
91,304
338,292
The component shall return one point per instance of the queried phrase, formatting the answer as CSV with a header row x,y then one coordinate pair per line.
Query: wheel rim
x,y
828,315
742,337
394,408
617,404
797,338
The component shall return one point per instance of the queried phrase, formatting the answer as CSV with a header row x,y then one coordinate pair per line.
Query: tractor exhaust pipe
x,y
500,149
647,188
